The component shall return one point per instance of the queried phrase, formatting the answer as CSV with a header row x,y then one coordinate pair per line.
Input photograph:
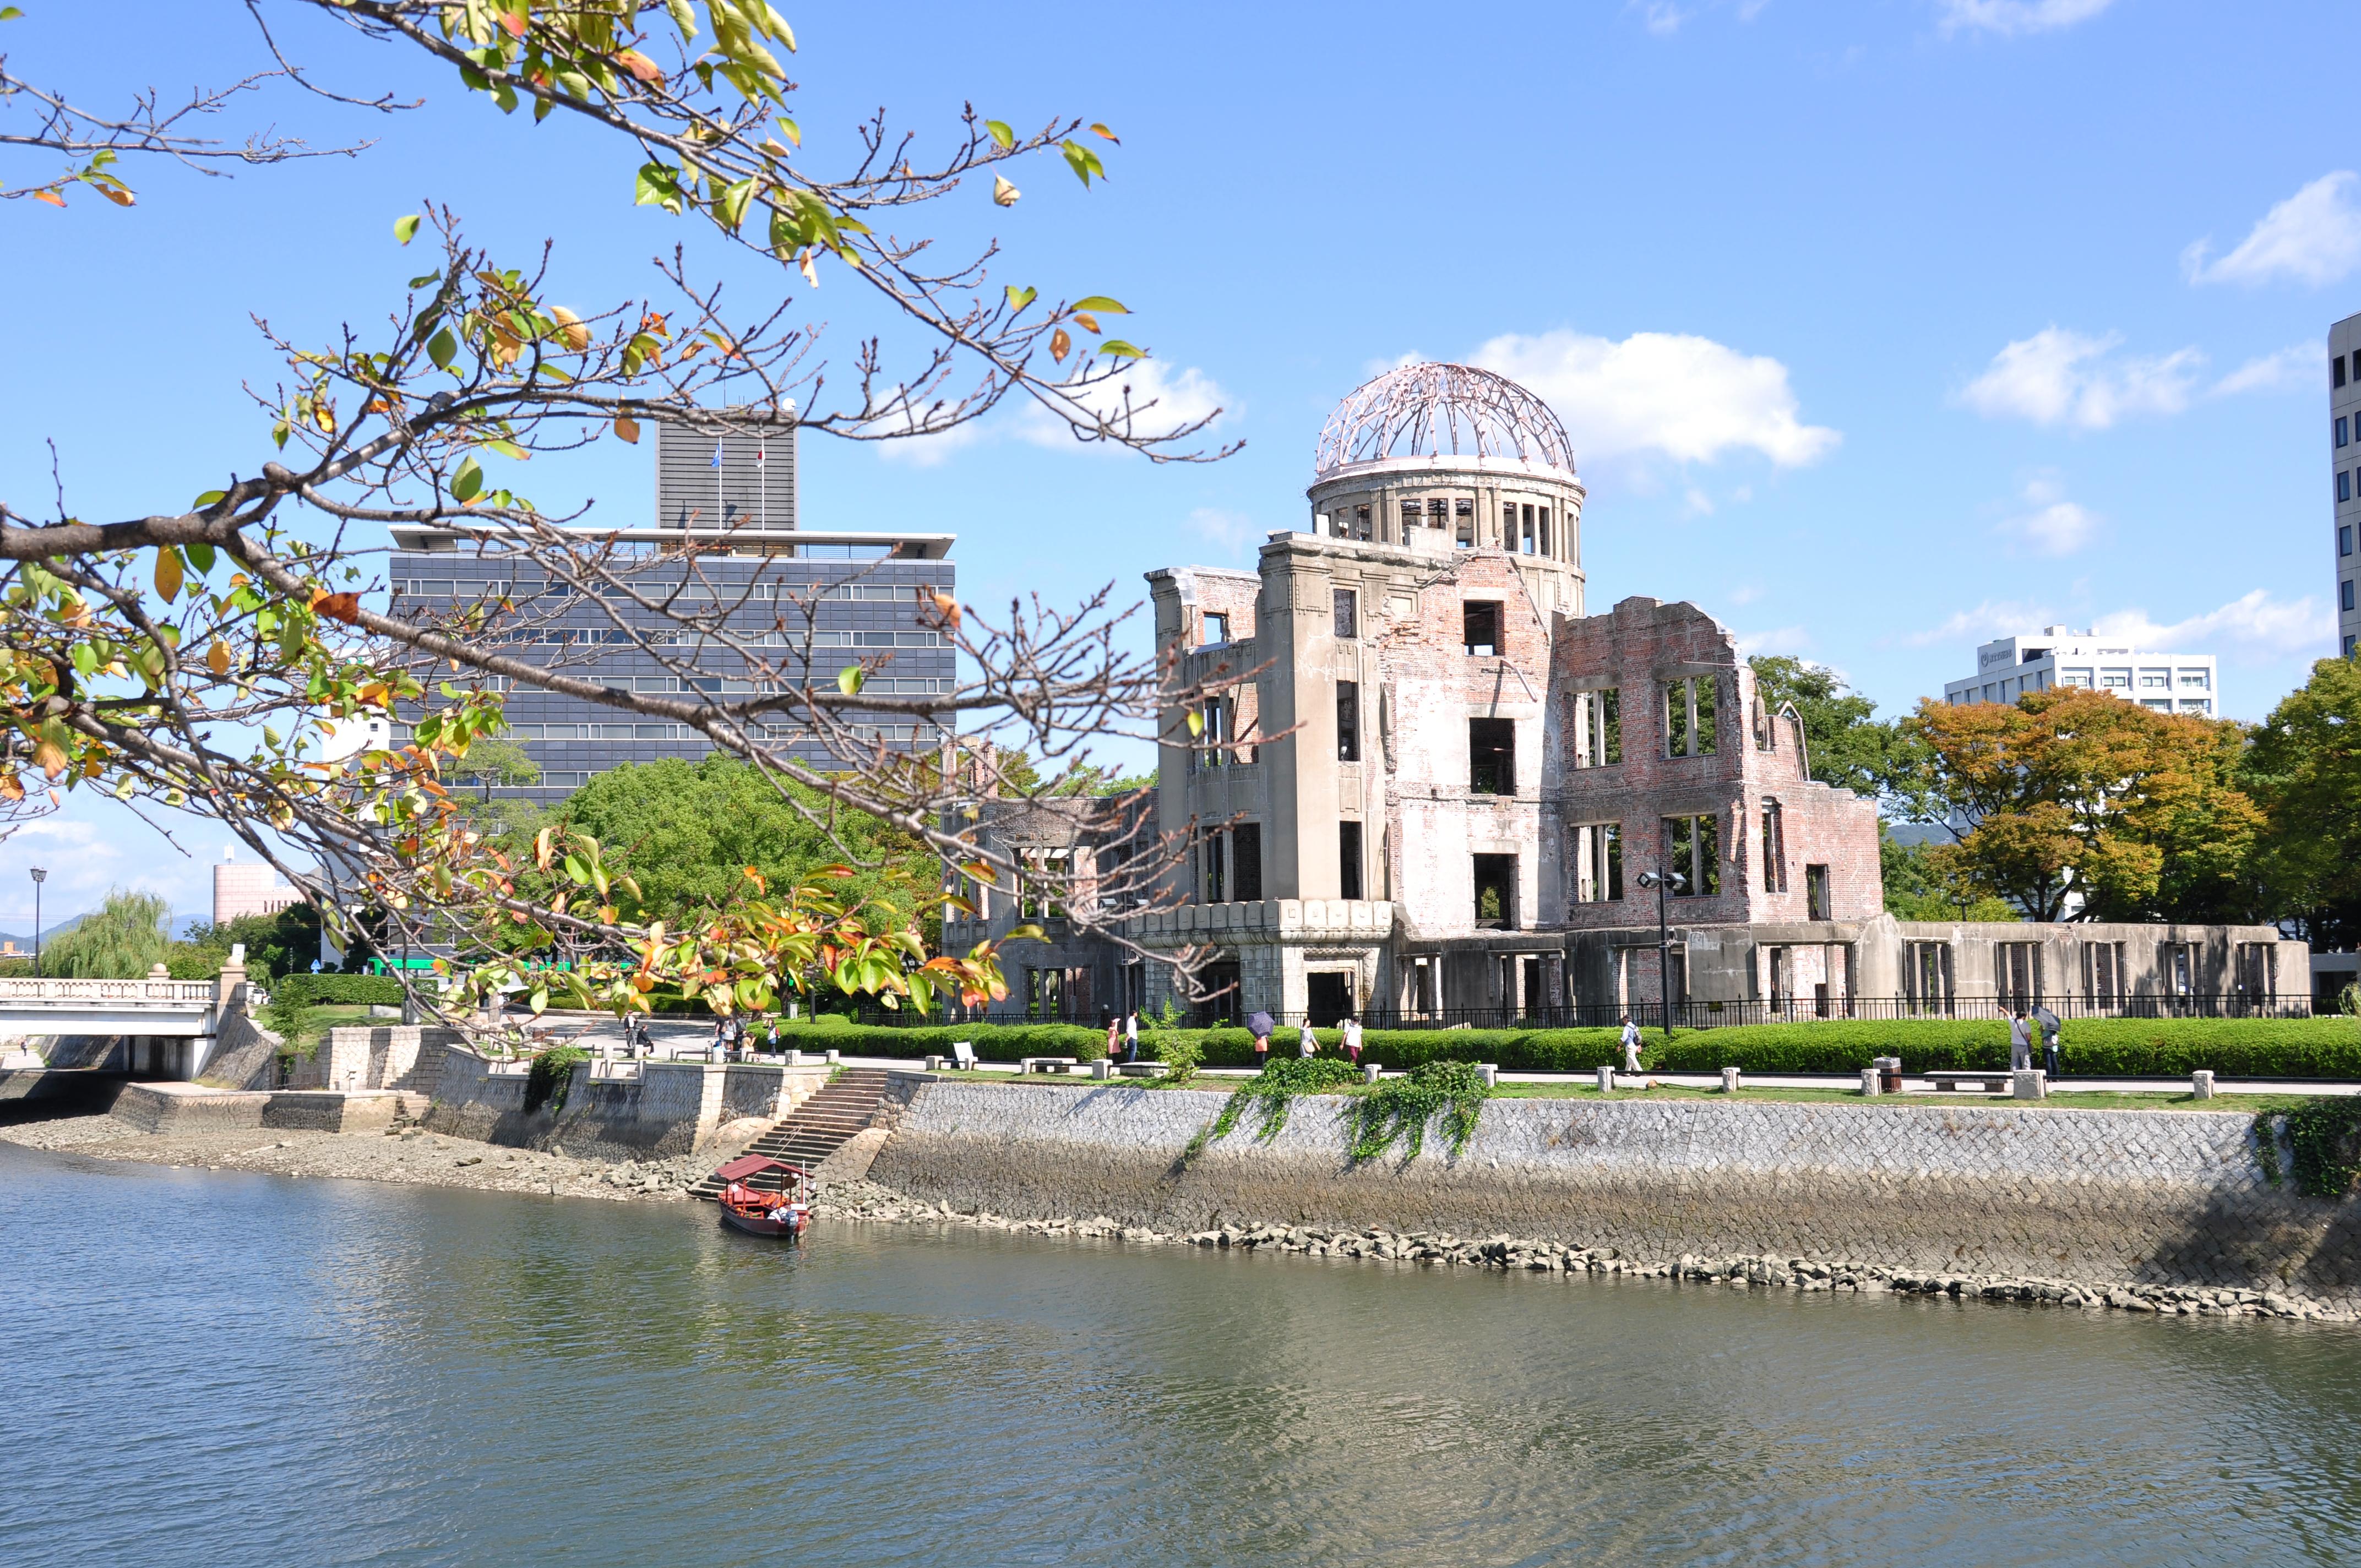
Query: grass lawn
x,y
313,1032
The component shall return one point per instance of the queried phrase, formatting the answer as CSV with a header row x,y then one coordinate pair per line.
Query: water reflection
x,y
236,1370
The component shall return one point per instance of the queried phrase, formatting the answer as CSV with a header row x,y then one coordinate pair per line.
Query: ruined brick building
x,y
1437,794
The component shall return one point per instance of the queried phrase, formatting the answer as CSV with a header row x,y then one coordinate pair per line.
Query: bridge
x,y
171,1026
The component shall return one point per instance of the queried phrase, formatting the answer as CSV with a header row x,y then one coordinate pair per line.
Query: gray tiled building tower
x,y
727,539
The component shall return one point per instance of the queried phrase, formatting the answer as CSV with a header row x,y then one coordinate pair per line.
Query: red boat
x,y
765,1210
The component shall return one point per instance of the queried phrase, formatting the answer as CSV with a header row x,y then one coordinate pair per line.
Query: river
x,y
227,1369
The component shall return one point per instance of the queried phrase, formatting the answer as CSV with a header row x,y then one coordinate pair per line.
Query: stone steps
x,y
818,1127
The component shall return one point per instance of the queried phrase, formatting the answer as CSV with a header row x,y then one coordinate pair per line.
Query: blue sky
x,y
1881,328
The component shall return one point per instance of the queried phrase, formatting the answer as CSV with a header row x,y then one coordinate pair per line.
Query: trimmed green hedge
x,y
2162,1047
335,991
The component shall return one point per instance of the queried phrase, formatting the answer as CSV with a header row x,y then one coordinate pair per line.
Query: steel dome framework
x,y
1441,411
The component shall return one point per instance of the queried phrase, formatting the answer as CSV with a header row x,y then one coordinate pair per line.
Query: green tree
x,y
1845,743
493,760
1920,884
284,943
122,940
2304,770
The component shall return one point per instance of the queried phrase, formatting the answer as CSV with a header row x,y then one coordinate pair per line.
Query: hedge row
x,y
2164,1048
335,991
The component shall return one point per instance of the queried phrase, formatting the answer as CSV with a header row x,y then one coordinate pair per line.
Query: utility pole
x,y
39,876
1658,880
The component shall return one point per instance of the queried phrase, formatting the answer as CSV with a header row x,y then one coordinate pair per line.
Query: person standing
x,y
1631,1045
1115,1035
2020,1042
2051,1029
1259,1026
1131,1033
1351,1039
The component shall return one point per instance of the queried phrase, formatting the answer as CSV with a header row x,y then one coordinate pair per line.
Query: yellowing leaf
x,y
405,229
850,679
1020,298
639,65
51,197
1101,304
1004,194
1102,130
1060,346
51,758
217,657
571,327
167,573
1196,722
628,428
810,272
118,194
1087,322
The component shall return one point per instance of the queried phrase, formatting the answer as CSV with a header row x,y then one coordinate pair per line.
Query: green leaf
x,y
850,679
85,658
208,499
9,13
792,131
443,348
405,229
1101,304
199,554
468,483
729,203
1020,298
1116,348
1082,160
1000,133
659,186
684,17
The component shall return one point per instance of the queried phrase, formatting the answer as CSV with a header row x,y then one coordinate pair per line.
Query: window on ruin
x,y
1545,542
1348,722
1491,756
2017,974
1042,878
1463,513
1597,862
1214,735
1692,853
1348,860
1361,525
1926,976
1597,729
1690,721
2255,972
1525,535
1210,879
1496,892
1347,603
1409,515
1481,619
1817,905
1246,862
1217,629
1774,847
2102,973
1438,512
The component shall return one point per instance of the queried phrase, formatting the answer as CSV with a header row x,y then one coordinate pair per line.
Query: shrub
x,y
1177,1051
551,1075
336,990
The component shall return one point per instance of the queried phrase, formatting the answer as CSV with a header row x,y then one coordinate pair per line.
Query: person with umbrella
x,y
2049,1026
1259,1025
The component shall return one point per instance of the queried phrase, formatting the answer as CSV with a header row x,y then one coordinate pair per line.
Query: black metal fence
x,y
1685,1014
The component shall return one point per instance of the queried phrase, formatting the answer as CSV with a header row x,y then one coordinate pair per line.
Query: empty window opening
x,y
1464,524
1690,726
2103,972
1409,515
1481,620
1246,862
1926,976
1327,997
1348,860
1815,894
1774,847
1491,756
1214,735
1361,529
1525,538
1040,881
1348,611
1597,862
1692,854
1545,542
1496,891
2256,974
1348,722
1212,885
1438,512
2017,974
1221,982
1217,627
1597,729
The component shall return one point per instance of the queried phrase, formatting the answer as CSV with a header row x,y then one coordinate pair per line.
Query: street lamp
x,y
1658,880
39,876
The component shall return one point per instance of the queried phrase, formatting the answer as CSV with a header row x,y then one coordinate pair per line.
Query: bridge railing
x,y
58,992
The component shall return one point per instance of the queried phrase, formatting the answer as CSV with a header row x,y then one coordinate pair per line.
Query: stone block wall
x,y
2097,1197
659,1110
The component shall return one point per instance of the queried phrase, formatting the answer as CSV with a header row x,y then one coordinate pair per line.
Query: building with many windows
x,y
2008,667
2344,469
785,603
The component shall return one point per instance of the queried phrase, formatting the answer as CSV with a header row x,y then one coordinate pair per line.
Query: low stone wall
x,y
246,1055
183,1108
2161,1198
662,1109
407,1057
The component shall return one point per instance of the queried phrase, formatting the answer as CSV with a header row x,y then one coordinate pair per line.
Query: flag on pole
x,y
717,452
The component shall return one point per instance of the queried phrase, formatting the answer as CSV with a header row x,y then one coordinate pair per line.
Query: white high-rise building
x,y
2345,464
2009,667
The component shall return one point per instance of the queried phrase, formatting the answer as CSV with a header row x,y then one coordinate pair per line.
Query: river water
x,y
227,1369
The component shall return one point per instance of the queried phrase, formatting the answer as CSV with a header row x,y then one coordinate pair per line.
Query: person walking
x,y
1115,1035
1131,1033
1349,1036
2051,1028
1631,1045
1259,1026
2020,1042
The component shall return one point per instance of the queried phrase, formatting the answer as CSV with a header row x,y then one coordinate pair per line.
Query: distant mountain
x,y
48,933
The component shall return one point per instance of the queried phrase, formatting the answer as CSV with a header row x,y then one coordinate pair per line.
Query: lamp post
x,y
1658,880
39,876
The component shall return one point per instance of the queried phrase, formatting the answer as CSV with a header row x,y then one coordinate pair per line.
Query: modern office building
x,y
2345,466
789,603
2008,667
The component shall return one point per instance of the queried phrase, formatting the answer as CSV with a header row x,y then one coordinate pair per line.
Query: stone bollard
x,y
795,1059
1606,1081
1103,1068
1490,1072
1872,1082
2201,1084
1369,1072
1729,1080
2030,1084
934,1064
835,1059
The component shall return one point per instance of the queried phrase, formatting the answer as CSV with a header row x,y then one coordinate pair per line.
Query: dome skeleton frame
x,y
1441,411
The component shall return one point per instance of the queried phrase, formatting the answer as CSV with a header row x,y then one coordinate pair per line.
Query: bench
x,y
963,1056
1047,1064
1956,1082
1143,1069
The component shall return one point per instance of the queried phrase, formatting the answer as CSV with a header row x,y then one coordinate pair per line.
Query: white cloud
x,y
1232,531
2060,377
1686,398
2297,364
1994,617
2254,620
1662,17
1697,503
2052,525
1161,398
2010,17
2313,237
1777,640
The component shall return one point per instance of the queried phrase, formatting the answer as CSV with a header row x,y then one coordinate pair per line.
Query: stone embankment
x,y
865,1201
